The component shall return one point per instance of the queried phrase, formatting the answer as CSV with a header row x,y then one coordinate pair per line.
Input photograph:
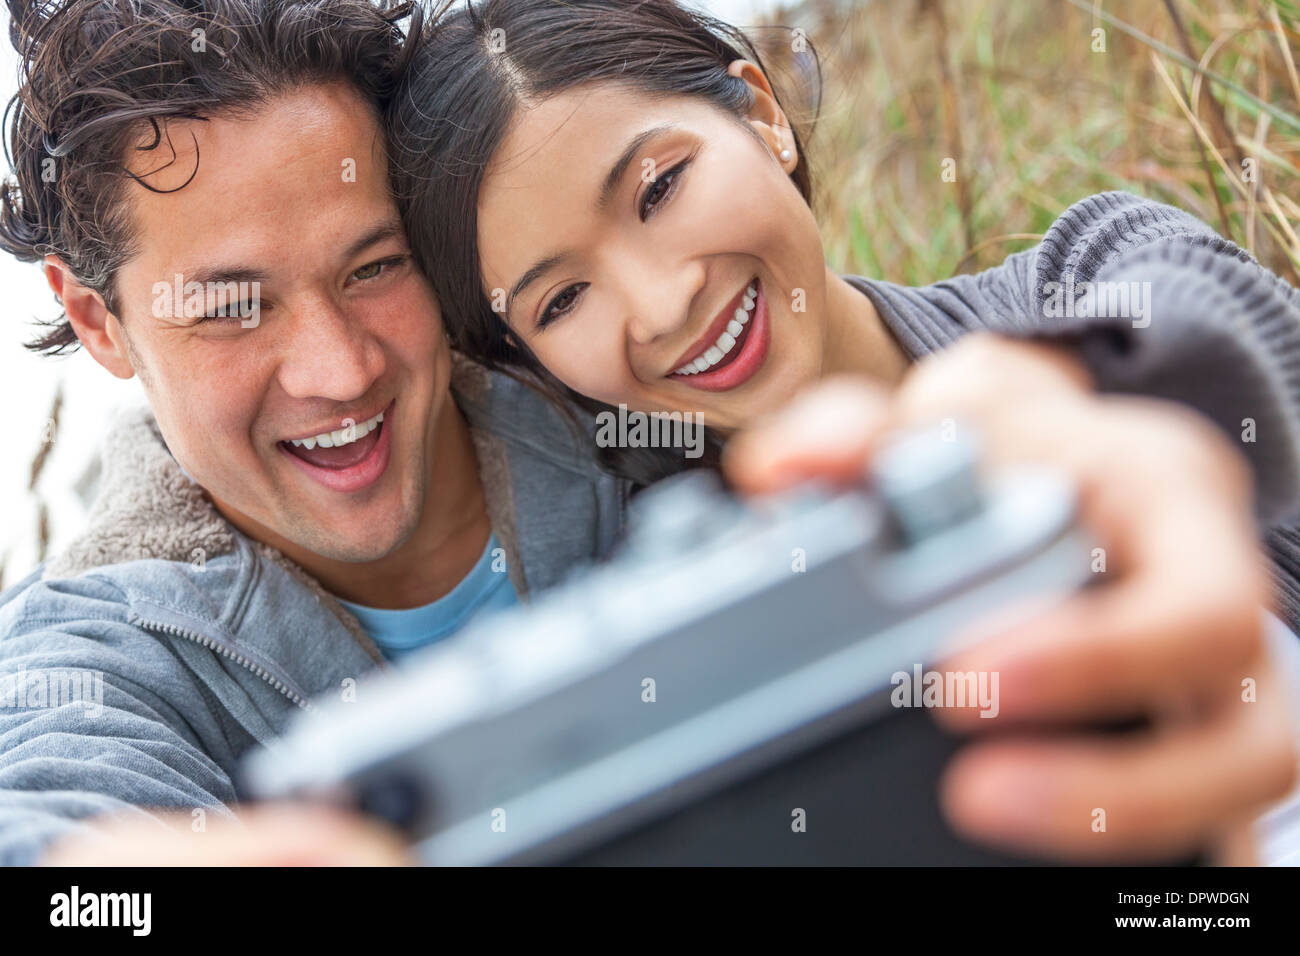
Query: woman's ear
x,y
507,333
96,327
766,116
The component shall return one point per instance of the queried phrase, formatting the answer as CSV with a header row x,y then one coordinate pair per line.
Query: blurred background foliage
x,y
1041,102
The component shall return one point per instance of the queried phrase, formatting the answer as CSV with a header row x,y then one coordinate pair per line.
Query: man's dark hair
x,y
97,76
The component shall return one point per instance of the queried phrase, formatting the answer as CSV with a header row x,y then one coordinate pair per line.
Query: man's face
x,y
295,198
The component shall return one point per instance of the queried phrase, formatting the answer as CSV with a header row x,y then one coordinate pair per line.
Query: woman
x,y
611,202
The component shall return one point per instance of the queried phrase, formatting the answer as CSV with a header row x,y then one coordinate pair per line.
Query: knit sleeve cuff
x,y
1185,318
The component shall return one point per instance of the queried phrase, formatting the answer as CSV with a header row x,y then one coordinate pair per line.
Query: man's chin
x,y
354,539
371,541
365,527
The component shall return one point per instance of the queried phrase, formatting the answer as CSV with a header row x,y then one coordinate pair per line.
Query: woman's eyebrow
x,y
634,146
607,190
539,269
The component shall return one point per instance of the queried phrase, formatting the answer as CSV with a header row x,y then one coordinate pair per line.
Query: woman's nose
x,y
659,304
646,323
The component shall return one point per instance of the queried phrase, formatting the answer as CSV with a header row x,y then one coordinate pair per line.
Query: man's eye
x,y
560,305
231,311
374,269
659,190
238,311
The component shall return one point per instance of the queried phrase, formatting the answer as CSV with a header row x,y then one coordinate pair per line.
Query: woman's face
x,y
621,232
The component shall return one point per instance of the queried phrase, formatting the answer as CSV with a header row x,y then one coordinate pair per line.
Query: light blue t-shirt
x,y
487,587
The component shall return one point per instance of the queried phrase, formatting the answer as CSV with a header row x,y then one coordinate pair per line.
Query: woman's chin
x,y
736,409
778,389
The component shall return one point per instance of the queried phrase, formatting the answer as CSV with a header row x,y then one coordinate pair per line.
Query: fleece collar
x,y
148,508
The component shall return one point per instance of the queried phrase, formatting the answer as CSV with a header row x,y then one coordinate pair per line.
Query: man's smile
x,y
345,459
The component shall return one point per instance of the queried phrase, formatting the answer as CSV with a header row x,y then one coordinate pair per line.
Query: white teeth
x,y
339,436
727,340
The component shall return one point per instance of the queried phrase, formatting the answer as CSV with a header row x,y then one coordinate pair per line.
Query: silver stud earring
x,y
785,156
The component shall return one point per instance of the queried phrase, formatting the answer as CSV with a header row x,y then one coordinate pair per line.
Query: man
x,y
312,454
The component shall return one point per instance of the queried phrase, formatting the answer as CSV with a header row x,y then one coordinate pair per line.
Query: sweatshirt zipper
x,y
624,492
212,645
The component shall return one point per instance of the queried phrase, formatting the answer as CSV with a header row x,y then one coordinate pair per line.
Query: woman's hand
x,y
1174,632
265,835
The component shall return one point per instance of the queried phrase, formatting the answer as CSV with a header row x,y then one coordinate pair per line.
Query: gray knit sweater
x,y
1157,303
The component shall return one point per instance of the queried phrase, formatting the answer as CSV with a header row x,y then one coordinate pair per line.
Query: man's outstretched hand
x,y
265,835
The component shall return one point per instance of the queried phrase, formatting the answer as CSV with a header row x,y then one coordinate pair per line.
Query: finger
x,y
827,432
985,373
313,835
270,835
1112,652
1238,846
1180,597
1140,799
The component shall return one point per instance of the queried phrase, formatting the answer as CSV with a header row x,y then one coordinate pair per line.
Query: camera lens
x,y
397,798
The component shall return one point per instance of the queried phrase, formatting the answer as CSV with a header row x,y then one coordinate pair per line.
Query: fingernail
x,y
995,801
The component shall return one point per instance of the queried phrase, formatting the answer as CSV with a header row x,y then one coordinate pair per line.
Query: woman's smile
x,y
732,348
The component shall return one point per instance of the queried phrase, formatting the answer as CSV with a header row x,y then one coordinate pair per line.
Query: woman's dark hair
x,y
97,75
476,66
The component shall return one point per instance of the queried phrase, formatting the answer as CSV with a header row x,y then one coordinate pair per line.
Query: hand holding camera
x,y
1173,631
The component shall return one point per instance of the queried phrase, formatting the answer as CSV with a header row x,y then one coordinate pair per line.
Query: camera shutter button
x,y
677,514
929,480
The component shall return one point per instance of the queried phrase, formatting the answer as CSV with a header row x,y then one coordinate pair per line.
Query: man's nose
x,y
329,353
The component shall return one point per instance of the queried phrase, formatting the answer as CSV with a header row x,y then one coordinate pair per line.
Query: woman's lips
x,y
715,329
746,356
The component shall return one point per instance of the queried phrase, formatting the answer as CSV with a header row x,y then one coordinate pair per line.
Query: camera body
x,y
737,685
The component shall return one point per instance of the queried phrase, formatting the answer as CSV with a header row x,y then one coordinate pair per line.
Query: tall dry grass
x,y
1192,102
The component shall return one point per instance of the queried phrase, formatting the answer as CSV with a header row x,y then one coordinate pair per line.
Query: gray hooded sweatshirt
x,y
137,666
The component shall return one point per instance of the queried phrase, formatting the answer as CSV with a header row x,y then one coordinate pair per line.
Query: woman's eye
x,y
560,305
659,190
